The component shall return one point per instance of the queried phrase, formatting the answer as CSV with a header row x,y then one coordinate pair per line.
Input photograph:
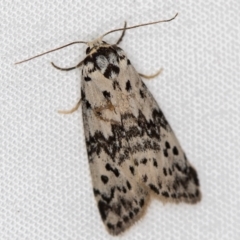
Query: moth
x,y
132,151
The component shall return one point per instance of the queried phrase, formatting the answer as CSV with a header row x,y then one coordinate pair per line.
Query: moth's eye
x,y
88,50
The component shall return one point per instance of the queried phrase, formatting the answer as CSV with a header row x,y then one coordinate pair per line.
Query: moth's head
x,y
95,44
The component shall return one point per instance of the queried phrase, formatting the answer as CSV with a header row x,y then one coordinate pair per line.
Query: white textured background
x,y
45,184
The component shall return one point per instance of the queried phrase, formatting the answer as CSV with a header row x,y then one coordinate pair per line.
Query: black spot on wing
x,y
178,167
136,210
103,209
119,224
175,151
141,202
114,170
144,161
131,215
167,145
125,219
88,105
131,168
87,79
111,70
193,175
124,189
165,194
155,163
96,192
128,86
142,94
165,152
106,94
129,185
104,179
165,171
154,188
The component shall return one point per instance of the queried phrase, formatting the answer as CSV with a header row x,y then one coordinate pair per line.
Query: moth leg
x,y
151,76
67,69
75,108
123,33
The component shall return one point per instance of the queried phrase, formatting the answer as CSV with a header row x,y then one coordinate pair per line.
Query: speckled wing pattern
x,y
132,150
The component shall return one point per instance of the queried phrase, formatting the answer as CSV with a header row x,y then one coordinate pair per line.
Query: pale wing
x,y
121,200
131,148
158,158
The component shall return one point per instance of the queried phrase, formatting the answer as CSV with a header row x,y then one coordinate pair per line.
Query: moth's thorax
x,y
104,58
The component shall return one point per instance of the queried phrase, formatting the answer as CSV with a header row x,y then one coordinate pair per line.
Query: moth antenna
x,y
55,49
115,30
140,25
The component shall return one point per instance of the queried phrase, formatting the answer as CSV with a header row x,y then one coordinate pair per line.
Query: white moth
x,y
132,151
